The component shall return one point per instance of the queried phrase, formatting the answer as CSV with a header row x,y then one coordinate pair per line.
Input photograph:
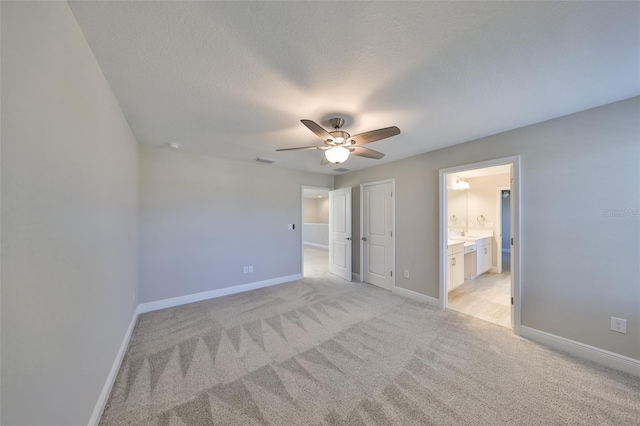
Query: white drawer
x,y
470,249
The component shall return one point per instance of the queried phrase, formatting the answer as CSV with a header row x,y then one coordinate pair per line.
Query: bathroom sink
x,y
465,239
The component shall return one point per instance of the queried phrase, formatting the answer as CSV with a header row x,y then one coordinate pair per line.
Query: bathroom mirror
x,y
457,209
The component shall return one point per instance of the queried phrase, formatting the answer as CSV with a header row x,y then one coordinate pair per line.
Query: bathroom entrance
x,y
477,224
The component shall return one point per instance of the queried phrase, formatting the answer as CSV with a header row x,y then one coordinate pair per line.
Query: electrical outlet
x,y
245,269
251,269
406,273
619,325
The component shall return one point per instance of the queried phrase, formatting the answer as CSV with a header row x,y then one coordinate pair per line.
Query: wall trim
x,y
432,301
197,297
600,356
316,245
111,378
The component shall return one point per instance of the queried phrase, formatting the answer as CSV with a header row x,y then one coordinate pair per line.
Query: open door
x,y
340,233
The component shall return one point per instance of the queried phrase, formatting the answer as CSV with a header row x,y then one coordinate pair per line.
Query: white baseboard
x,y
355,277
601,356
316,245
197,297
493,270
417,296
111,378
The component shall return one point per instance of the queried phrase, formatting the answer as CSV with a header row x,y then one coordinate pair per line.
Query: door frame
x,y
516,293
302,188
392,181
499,225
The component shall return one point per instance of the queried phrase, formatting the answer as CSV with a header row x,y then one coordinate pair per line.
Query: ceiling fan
x,y
338,145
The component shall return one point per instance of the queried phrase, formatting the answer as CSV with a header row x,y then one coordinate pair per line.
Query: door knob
x,y
364,238
348,238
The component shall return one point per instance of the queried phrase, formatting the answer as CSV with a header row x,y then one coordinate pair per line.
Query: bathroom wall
x,y
456,206
482,201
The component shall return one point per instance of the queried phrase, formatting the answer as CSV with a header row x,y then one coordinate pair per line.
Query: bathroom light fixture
x,y
461,184
337,154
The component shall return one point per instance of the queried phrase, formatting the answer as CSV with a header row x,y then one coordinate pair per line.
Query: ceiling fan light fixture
x,y
339,145
339,137
337,154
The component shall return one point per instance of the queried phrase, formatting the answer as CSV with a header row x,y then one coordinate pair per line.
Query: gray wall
x,y
202,219
69,219
580,183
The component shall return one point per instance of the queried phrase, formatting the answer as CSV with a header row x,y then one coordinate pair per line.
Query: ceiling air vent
x,y
265,161
341,170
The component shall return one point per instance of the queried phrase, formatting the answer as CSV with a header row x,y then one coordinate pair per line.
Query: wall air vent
x,y
341,170
265,161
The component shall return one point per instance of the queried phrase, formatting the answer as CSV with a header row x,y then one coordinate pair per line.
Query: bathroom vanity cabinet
x,y
455,265
478,258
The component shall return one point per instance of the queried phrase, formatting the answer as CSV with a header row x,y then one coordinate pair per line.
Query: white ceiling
x,y
233,79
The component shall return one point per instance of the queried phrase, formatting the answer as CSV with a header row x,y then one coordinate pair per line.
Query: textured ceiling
x,y
233,79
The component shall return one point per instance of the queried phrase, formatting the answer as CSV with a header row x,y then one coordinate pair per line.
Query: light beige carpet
x,y
324,351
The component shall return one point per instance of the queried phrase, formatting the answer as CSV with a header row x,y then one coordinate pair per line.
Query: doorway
x,y
503,225
475,278
315,231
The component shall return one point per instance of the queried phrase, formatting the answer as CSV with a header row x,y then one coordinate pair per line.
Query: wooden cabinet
x,y
455,265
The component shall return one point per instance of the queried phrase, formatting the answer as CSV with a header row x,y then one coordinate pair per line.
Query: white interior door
x,y
377,234
340,233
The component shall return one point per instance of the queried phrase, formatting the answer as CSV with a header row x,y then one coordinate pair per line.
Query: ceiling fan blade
x,y
300,147
317,129
324,161
375,135
365,152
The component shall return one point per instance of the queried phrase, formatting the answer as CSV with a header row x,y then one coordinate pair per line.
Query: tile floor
x,y
488,297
